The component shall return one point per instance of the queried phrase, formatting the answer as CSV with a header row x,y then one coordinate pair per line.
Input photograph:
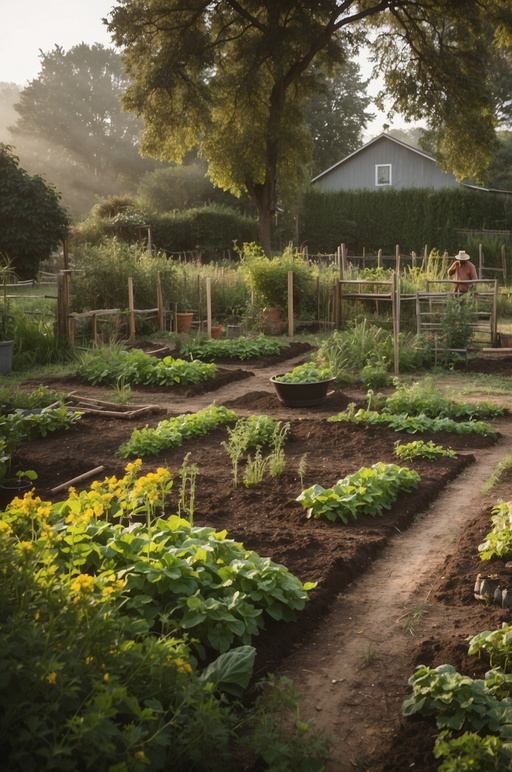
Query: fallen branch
x,y
78,479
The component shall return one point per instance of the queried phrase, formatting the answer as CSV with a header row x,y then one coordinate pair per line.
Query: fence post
x,y
131,318
160,302
480,261
379,258
395,295
209,307
290,304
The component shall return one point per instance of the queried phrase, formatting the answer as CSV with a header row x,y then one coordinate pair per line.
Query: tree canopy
x,y
235,76
71,125
32,221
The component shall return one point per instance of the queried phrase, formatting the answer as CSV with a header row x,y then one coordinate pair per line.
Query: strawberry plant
x,y
172,432
368,492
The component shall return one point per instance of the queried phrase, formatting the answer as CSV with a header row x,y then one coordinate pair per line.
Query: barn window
x,y
382,174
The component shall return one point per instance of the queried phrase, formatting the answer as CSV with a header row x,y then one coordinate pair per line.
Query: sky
x,y
28,26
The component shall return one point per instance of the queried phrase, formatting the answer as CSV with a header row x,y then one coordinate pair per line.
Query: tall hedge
x,y
409,217
212,230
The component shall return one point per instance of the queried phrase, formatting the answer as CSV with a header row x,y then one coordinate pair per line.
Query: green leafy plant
x,y
111,364
86,667
172,432
460,703
496,644
239,348
368,491
420,449
306,373
302,468
255,469
188,474
403,422
424,397
470,751
498,543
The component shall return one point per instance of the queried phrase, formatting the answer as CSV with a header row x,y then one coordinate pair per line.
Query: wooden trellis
x,y
430,305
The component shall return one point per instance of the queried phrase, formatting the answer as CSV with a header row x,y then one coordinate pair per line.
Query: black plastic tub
x,y
301,394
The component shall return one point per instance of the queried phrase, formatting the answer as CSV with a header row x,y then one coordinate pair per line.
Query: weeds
x,y
369,656
497,474
255,469
302,469
188,478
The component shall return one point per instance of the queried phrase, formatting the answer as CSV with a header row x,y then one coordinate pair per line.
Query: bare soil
x,y
392,592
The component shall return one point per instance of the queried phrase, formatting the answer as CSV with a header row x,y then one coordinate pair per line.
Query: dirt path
x,y
353,674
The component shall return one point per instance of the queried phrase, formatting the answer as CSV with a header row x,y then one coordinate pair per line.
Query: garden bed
x,y
268,520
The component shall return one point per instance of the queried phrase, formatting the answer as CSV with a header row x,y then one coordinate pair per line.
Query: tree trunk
x,y
264,198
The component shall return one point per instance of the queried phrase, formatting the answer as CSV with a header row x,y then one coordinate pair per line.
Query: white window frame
x,y
378,167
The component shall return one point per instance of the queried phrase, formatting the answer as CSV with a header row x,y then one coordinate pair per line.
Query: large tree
x,y
32,221
71,125
234,75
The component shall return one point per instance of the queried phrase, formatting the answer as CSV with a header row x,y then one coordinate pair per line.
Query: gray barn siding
x,y
409,169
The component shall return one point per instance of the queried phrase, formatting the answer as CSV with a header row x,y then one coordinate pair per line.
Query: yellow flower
x,y
36,617
106,677
83,583
88,660
51,678
182,666
26,546
5,528
140,755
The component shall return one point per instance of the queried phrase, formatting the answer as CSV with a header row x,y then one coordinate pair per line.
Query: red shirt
x,y
464,270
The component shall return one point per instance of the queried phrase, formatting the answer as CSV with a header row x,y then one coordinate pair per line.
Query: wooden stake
x,y
78,479
290,304
395,295
208,307
131,320
160,302
379,258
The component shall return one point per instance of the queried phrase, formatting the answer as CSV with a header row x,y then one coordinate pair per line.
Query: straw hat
x,y
463,256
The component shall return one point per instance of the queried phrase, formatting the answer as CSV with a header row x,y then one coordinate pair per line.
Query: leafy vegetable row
x,y
412,424
171,432
136,367
368,491
424,397
239,348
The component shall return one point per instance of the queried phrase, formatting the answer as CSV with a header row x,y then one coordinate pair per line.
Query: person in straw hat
x,y
464,271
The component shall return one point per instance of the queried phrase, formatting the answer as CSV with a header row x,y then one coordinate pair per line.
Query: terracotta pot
x,y
272,314
301,394
184,322
217,331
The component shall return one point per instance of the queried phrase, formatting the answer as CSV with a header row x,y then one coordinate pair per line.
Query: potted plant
x,y
184,321
216,330
268,280
235,329
305,386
